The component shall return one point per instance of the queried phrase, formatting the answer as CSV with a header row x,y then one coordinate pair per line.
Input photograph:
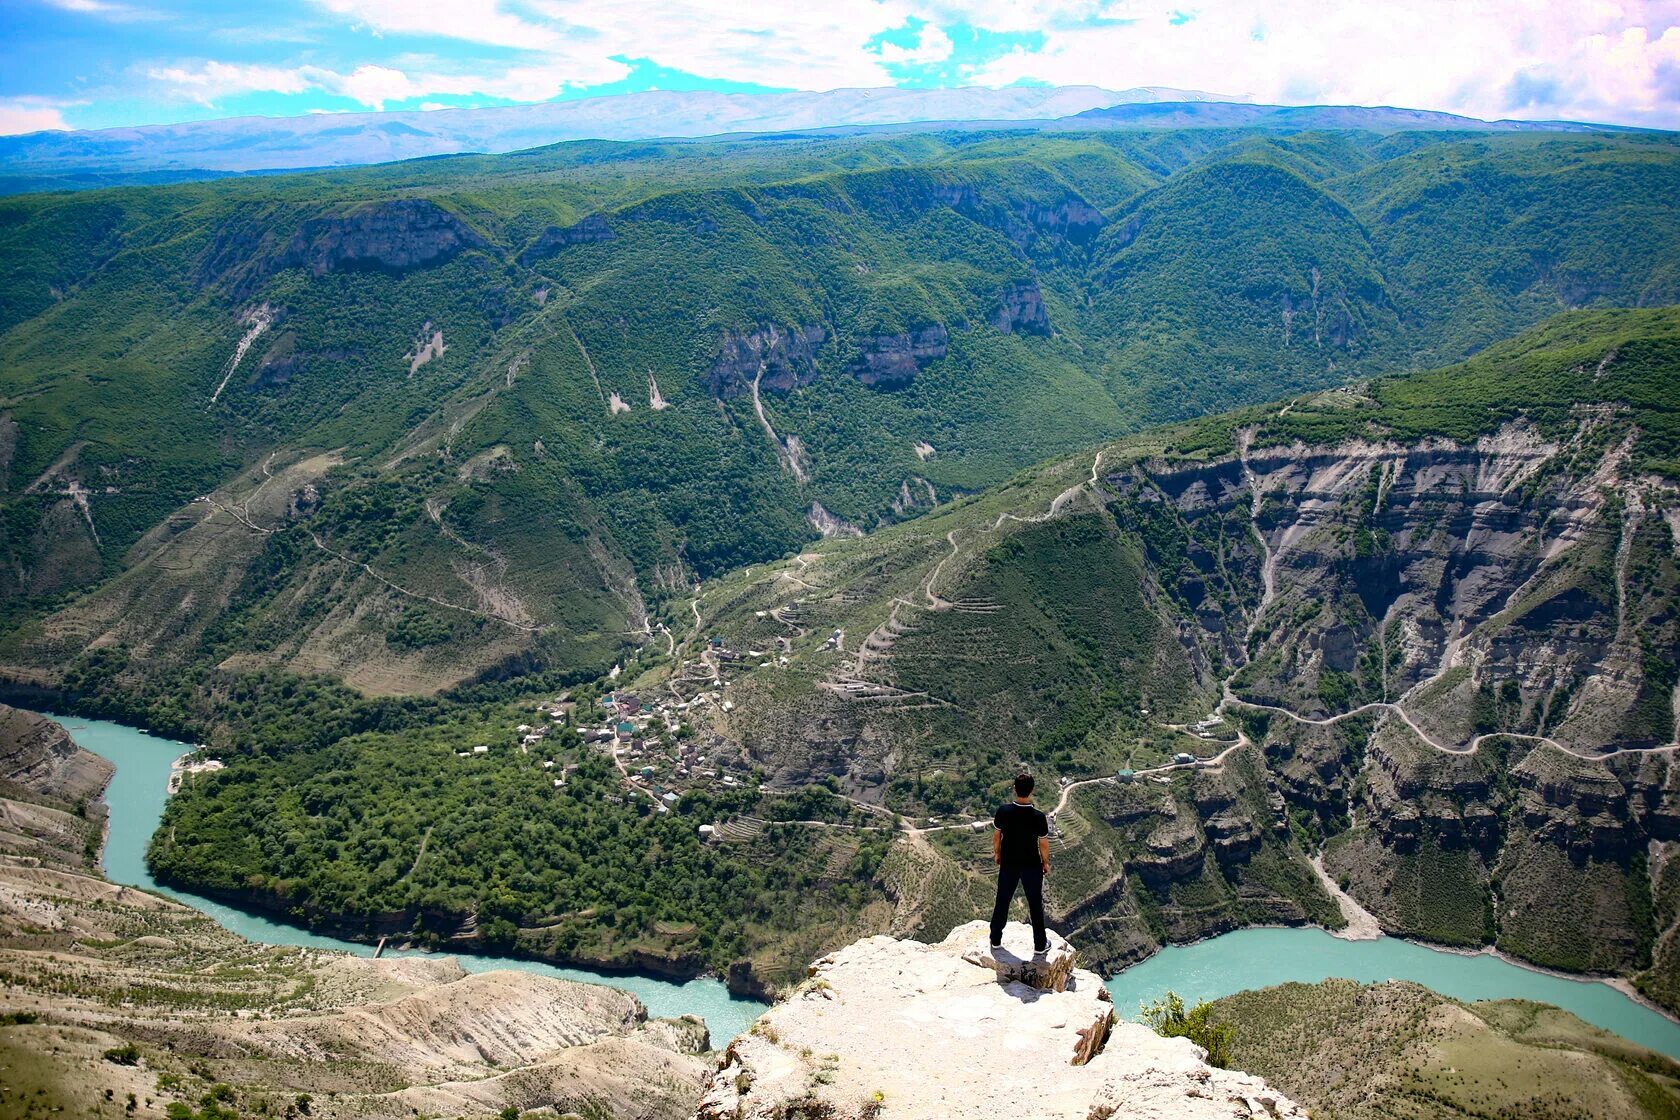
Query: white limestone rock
x,y
1015,960
889,1028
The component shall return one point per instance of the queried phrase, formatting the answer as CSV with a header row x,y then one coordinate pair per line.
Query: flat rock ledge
x,y
888,1028
1014,961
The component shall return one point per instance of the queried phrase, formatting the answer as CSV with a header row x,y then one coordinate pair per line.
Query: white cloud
x,y
1591,59
573,43
107,9
770,42
473,21
933,46
1616,60
32,114
208,82
376,86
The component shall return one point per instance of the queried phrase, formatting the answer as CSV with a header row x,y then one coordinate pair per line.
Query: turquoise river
x,y
1253,958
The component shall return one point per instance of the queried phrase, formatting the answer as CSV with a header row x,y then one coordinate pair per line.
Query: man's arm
x,y
997,846
1044,854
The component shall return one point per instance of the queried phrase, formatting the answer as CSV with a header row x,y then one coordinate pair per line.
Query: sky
x,y
105,63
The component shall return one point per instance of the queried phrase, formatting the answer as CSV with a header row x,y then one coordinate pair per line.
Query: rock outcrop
x,y
397,236
555,238
783,358
899,1028
37,755
890,361
1072,219
51,814
1021,310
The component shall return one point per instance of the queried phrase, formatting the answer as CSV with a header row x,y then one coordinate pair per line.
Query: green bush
x,y
1169,1019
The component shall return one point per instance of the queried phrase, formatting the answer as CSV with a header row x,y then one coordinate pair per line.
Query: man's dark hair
x,y
1023,785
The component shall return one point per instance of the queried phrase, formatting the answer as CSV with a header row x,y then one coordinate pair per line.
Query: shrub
x,y
1170,1020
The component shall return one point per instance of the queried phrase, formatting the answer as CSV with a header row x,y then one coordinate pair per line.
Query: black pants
x,y
1032,880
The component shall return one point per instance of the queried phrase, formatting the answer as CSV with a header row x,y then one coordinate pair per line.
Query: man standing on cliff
x,y
1021,850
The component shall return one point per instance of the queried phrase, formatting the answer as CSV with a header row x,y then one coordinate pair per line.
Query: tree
x,y
1170,1020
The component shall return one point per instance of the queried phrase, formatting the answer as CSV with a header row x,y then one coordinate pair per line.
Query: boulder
x,y
890,1028
1014,961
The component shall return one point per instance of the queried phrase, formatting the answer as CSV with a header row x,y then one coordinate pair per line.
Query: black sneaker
x,y
997,944
1041,948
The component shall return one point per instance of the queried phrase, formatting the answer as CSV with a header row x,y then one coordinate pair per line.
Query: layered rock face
x,y
36,754
555,238
890,361
1445,635
1438,572
1021,310
51,813
780,358
398,235
903,1029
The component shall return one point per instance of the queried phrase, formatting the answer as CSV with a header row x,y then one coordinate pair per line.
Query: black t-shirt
x,y
1021,826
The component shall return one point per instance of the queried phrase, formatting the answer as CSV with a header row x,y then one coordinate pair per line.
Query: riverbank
x,y
137,794
1362,925
1620,983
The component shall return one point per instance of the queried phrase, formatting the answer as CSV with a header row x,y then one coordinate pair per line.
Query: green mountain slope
x,y
1415,627
1350,1051
517,403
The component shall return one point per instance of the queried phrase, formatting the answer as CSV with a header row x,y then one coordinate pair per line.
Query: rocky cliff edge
x,y
889,1028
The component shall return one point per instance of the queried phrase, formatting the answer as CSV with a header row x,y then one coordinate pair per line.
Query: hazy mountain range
x,y
337,139
56,160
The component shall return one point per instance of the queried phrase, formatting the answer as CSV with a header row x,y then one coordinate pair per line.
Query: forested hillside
x,y
423,424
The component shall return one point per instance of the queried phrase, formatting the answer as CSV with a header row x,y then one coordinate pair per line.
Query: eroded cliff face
x,y
397,235
890,361
1453,670
37,755
552,240
1021,310
1056,218
1513,584
51,814
776,357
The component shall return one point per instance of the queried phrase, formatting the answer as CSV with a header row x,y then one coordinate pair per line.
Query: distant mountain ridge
x,y
200,149
325,140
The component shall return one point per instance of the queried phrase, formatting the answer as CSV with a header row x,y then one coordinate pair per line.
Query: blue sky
x,y
103,63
